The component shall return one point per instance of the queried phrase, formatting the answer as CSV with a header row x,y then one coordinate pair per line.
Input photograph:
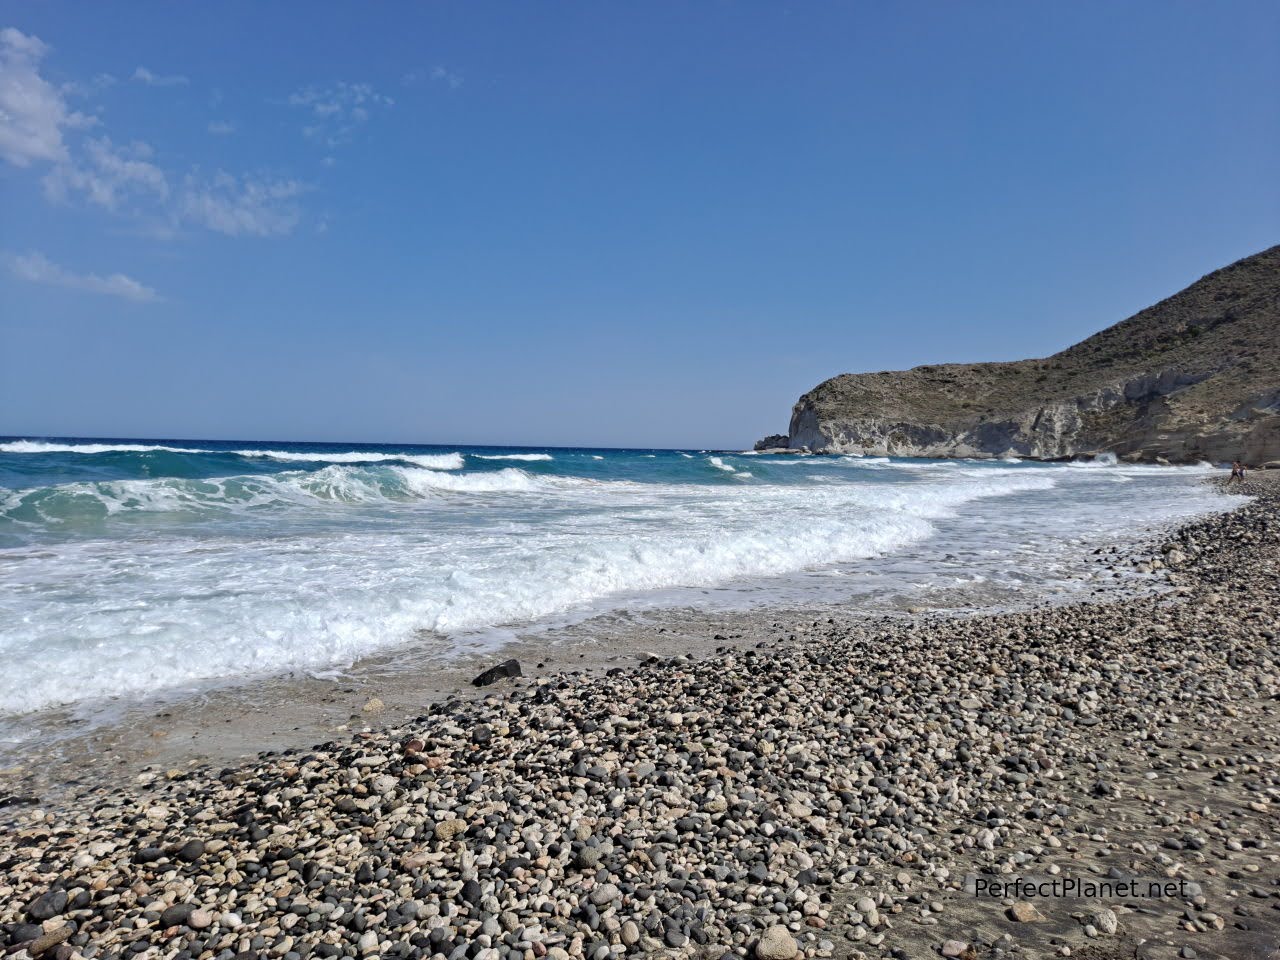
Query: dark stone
x,y
24,932
178,914
503,671
47,905
191,851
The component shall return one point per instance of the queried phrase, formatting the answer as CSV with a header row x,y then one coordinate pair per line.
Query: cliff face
x,y
1195,377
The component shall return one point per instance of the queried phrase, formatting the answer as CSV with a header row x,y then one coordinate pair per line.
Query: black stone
x,y
47,905
23,932
503,671
177,915
191,851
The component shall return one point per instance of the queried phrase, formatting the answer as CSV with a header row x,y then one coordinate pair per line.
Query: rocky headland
x,y
1195,377
846,789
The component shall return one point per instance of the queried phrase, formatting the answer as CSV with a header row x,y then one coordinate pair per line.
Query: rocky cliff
x,y
1195,377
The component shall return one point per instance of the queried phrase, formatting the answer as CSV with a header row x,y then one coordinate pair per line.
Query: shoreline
x,y
843,785
83,745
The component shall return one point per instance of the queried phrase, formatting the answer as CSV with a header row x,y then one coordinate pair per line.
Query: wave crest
x,y
429,461
40,446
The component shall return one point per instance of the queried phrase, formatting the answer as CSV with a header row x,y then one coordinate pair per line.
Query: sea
x,y
133,568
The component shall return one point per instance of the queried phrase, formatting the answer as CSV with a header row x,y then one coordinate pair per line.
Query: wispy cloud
x,y
437,74
107,174
128,178
241,206
33,112
143,75
337,111
445,75
37,268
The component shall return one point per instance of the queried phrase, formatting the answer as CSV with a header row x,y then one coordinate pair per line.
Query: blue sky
x,y
597,223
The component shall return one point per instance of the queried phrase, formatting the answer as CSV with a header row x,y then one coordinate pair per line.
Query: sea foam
x,y
125,587
442,461
40,446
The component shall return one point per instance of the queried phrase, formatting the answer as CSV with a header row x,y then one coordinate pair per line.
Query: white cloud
x,y
241,206
128,179
445,75
38,268
143,75
437,74
338,110
106,174
33,112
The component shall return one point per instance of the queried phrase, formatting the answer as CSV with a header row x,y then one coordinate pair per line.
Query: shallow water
x,y
129,568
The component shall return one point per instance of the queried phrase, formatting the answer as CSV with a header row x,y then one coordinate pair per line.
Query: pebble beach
x,y
846,788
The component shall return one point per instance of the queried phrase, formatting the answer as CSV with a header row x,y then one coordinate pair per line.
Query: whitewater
x,y
132,567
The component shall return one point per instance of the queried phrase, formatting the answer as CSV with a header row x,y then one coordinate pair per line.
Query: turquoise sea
x,y
130,567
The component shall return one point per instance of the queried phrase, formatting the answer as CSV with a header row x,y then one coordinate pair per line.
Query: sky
x,y
596,223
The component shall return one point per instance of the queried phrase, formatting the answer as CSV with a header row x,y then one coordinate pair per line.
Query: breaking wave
x,y
153,566
335,485
444,461
441,461
39,446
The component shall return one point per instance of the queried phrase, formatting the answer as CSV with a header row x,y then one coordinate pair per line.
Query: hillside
x,y
1195,377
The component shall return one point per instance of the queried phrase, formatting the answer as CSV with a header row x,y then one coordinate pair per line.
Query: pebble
x,y
1025,912
1105,921
776,943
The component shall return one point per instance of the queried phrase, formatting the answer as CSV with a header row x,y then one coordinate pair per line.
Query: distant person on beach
x,y
1237,471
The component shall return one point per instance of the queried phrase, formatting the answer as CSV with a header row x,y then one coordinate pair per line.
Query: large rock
x,y
776,441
